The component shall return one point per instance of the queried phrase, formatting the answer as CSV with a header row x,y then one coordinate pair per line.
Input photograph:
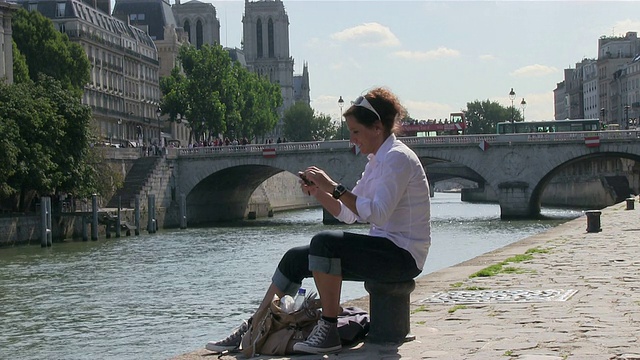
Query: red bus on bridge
x,y
455,125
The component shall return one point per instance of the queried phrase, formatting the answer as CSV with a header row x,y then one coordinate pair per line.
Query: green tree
x,y
302,124
217,95
49,51
48,145
20,68
482,116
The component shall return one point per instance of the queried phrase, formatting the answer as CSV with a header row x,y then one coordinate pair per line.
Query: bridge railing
x,y
257,148
410,141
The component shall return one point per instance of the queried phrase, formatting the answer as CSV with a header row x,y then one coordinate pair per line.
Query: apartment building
x,y
6,48
123,90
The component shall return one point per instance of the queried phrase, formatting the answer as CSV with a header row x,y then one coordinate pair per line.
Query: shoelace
x,y
317,334
236,334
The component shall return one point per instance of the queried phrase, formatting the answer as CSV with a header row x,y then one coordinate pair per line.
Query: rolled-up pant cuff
x,y
331,266
283,284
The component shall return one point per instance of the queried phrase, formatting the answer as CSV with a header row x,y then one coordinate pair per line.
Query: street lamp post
x,y
512,96
159,113
626,116
341,104
523,105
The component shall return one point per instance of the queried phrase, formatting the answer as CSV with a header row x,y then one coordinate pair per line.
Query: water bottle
x,y
299,299
286,304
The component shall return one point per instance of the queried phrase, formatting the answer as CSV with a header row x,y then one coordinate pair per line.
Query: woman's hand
x,y
308,187
320,179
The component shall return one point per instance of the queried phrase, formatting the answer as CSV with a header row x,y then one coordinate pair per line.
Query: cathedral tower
x,y
266,46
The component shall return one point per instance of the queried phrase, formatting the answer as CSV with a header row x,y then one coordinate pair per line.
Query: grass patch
x,y
421,322
508,353
457,285
519,258
455,308
537,250
502,268
419,309
512,270
476,288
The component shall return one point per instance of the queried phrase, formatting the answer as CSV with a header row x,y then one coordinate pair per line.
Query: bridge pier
x,y
515,201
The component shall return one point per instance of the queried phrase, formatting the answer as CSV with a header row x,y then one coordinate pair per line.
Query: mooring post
x,y
49,225
45,230
593,221
630,203
151,223
118,218
137,215
94,220
183,211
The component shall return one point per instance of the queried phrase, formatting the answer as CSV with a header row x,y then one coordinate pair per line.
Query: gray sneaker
x,y
231,342
324,339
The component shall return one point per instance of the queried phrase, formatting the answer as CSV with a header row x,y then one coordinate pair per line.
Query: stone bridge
x,y
218,181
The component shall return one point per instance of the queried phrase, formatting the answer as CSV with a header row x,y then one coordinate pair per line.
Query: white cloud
x,y
368,35
487,57
439,53
328,105
534,71
621,27
423,110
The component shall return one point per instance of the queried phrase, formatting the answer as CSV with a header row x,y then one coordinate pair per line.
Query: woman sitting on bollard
x,y
392,195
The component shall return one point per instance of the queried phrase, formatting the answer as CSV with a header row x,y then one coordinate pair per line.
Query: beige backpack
x,y
273,331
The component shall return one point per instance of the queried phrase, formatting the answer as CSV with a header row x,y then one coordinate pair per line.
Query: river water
x,y
161,295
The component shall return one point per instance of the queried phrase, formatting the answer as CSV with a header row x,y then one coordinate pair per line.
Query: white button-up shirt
x,y
393,196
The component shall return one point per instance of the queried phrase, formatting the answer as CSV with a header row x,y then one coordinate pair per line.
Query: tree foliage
x,y
302,124
48,142
217,95
482,116
44,125
49,51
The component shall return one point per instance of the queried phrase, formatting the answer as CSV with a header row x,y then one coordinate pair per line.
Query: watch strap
x,y
338,191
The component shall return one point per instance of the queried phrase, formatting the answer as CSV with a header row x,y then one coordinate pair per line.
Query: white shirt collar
x,y
383,149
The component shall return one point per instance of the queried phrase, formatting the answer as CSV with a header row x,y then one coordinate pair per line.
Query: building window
x,y
270,38
259,37
60,9
33,6
199,35
187,29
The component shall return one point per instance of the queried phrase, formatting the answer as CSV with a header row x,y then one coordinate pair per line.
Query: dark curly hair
x,y
386,104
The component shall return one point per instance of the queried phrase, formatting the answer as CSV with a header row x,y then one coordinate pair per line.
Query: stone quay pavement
x,y
577,297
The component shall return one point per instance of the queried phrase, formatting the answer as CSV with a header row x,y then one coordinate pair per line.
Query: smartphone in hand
x,y
304,179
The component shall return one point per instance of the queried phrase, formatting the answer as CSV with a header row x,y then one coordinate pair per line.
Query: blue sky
x,y
439,55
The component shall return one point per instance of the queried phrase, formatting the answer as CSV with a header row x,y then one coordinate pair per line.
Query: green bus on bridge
x,y
506,127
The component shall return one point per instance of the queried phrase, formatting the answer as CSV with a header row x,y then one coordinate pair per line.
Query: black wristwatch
x,y
338,191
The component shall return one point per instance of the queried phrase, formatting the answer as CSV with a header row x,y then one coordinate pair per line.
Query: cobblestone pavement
x,y
575,297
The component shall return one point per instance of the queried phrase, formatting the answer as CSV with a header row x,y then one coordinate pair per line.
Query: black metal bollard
x,y
389,311
630,203
593,220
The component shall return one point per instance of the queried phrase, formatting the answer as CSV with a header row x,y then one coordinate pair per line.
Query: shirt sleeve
x,y
390,184
346,215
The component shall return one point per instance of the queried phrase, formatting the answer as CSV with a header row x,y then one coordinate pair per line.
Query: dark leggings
x,y
356,257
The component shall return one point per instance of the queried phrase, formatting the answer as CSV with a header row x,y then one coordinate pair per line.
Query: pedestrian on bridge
x,y
392,196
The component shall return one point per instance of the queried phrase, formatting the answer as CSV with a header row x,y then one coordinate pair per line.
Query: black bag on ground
x,y
353,325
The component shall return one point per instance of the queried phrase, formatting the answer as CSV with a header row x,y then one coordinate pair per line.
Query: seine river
x,y
157,296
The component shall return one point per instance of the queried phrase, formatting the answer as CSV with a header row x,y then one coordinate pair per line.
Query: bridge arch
x,y
539,188
220,190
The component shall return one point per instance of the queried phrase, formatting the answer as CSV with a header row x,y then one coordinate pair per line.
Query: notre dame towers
x,y
266,49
